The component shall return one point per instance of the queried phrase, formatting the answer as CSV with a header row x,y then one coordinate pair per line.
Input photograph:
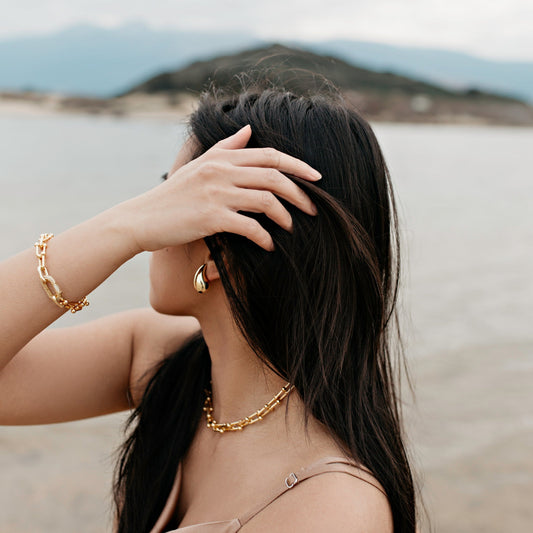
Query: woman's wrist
x,y
82,257
120,224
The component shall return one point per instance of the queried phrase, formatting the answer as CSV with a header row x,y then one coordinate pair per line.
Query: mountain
x,y
453,69
379,96
93,61
296,69
88,60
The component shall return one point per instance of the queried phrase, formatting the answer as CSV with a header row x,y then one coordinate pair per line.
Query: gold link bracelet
x,y
48,282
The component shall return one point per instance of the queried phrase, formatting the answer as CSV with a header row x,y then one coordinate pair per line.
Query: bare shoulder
x,y
333,501
155,336
165,332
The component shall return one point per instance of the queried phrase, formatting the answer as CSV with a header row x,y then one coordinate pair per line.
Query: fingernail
x,y
314,209
316,174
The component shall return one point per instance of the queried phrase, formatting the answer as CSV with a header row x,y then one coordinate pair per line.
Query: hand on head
x,y
202,196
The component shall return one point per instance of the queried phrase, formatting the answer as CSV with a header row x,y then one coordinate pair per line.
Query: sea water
x,y
465,204
464,193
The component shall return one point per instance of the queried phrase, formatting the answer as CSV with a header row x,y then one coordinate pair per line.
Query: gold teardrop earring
x,y
200,281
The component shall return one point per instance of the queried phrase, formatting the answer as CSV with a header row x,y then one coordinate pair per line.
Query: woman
x,y
268,287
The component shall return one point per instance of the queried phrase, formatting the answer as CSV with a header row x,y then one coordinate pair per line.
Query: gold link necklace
x,y
239,424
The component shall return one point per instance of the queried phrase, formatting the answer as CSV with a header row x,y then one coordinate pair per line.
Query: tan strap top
x,y
322,466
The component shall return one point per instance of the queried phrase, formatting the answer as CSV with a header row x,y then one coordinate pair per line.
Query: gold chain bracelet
x,y
48,282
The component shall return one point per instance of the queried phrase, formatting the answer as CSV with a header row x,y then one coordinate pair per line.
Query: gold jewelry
x,y
48,282
200,281
239,424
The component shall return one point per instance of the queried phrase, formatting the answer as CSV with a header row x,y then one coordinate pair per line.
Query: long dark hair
x,y
320,310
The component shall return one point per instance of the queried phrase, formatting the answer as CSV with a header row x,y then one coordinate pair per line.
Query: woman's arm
x,y
200,198
79,259
84,371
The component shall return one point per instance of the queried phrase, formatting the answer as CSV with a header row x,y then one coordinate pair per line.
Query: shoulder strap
x,y
322,466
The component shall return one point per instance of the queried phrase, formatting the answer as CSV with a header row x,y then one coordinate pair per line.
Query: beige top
x,y
322,466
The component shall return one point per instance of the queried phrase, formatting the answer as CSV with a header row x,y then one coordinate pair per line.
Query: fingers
x,y
275,181
262,202
234,178
250,228
237,140
271,158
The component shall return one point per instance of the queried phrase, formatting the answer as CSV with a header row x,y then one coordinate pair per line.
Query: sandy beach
x,y
135,106
466,214
393,108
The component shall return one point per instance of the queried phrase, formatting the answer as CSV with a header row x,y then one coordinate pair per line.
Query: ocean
x,y
465,199
465,196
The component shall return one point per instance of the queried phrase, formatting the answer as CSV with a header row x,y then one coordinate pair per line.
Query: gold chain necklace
x,y
239,424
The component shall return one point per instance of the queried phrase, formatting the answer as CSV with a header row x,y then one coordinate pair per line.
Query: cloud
x,y
493,29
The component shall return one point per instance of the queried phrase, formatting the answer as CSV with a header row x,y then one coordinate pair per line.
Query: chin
x,y
166,305
169,310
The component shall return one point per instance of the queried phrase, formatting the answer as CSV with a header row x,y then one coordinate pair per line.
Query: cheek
x,y
171,287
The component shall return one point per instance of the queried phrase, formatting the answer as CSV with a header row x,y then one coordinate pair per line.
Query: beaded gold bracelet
x,y
49,283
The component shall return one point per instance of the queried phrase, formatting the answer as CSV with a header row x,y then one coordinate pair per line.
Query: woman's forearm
x,y
79,260
201,197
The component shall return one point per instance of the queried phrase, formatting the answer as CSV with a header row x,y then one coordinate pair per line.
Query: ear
x,y
211,270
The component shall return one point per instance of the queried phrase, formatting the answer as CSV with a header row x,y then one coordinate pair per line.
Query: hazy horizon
x,y
497,32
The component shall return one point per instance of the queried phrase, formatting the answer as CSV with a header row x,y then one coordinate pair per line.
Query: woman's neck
x,y
241,382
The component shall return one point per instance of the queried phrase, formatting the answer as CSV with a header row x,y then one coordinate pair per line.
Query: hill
x,y
449,68
101,62
225,71
91,61
379,95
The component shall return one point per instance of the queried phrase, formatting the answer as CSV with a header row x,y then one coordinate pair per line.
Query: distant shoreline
x,y
135,106
393,108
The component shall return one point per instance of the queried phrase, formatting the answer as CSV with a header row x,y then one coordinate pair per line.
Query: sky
x,y
497,29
